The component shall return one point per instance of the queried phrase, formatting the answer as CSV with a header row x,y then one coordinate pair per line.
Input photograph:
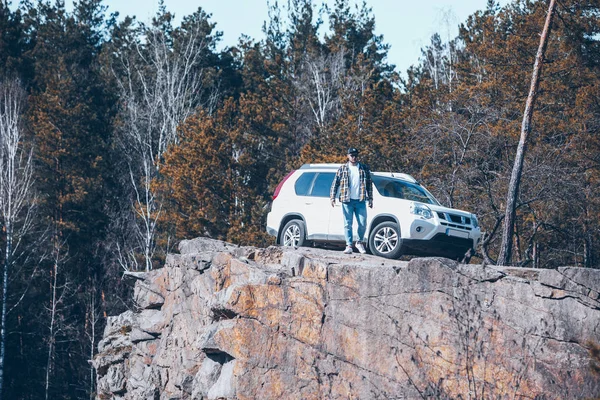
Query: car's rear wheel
x,y
385,240
293,234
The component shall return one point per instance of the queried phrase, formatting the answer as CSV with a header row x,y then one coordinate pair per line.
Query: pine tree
x,y
12,44
69,115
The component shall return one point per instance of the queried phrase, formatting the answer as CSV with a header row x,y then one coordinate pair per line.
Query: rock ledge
x,y
227,322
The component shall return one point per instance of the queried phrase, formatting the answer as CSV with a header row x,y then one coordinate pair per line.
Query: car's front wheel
x,y
385,240
293,234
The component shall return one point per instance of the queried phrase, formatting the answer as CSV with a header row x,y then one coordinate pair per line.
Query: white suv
x,y
405,218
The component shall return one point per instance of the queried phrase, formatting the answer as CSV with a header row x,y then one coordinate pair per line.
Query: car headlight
x,y
474,221
421,209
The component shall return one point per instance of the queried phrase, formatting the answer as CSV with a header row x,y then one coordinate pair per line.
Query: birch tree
x,y
161,82
61,290
93,320
320,81
16,192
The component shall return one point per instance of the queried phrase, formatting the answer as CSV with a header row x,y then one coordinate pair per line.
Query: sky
x,y
406,25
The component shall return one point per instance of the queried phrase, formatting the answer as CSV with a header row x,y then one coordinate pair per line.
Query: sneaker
x,y
360,247
348,250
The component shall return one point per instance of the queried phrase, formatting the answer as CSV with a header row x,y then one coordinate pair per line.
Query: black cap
x,y
352,151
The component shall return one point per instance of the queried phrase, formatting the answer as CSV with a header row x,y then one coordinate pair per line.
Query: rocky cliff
x,y
220,321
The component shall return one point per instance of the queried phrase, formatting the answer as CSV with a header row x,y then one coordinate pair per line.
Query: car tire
x,y
293,234
385,240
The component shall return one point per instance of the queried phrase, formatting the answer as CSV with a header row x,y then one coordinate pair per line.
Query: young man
x,y
356,189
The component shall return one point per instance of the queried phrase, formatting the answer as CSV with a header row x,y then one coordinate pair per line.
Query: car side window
x,y
401,190
393,189
413,193
384,186
304,183
322,184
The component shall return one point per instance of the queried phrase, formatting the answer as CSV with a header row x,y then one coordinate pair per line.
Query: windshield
x,y
399,189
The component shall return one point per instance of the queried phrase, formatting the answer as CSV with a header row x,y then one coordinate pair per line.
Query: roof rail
x,y
399,175
332,166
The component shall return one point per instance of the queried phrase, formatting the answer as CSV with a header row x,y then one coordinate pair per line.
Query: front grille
x,y
455,220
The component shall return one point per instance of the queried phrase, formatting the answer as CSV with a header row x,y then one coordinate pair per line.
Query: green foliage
x,y
12,43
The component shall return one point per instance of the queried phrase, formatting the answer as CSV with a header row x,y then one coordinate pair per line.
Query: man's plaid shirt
x,y
342,181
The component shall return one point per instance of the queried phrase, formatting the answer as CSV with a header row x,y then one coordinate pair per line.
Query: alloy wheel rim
x,y
386,240
291,237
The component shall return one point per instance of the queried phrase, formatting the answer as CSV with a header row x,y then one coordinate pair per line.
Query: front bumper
x,y
439,245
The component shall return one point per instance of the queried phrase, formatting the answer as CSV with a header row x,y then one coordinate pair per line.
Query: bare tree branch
x,y
16,191
160,88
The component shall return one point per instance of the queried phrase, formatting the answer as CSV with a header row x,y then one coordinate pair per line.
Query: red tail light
x,y
278,188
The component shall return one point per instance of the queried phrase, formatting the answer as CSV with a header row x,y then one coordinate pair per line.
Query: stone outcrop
x,y
226,322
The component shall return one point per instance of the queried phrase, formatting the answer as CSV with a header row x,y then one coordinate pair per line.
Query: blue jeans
x,y
358,208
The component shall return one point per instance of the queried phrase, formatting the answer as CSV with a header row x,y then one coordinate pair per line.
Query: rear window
x,y
304,183
389,187
316,184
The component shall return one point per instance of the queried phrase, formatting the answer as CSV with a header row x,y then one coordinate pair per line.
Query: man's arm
x,y
334,187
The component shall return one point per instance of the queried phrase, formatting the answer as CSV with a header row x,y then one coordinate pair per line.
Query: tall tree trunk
x,y
92,320
505,256
8,250
52,334
57,244
15,195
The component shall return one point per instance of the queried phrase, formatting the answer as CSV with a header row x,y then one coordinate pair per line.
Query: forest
x,y
119,138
